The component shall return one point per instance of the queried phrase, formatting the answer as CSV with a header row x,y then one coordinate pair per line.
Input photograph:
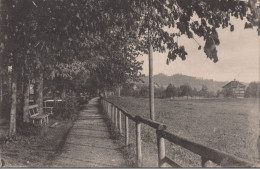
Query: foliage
x,y
127,89
165,21
219,93
105,37
254,17
170,91
185,90
203,91
159,92
77,42
228,92
194,92
144,91
68,108
253,90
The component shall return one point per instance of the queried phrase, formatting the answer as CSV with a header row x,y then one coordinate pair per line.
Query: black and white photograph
x,y
129,83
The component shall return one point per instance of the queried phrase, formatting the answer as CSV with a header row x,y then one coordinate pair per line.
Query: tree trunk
x,y
26,94
12,129
38,91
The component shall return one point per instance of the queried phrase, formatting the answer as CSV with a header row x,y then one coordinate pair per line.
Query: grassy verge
x,y
36,150
229,125
128,152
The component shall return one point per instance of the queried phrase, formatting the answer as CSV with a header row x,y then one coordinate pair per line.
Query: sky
x,y
238,53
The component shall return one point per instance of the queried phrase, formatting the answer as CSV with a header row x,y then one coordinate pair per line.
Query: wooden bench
x,y
34,115
48,105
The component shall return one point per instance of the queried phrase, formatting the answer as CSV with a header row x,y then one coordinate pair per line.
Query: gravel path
x,y
89,143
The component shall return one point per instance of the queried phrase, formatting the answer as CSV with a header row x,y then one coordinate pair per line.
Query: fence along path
x,y
220,158
89,143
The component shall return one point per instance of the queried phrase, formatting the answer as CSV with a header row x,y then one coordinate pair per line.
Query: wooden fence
x,y
220,158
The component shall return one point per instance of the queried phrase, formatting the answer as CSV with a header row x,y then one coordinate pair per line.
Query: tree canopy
x,y
65,41
65,32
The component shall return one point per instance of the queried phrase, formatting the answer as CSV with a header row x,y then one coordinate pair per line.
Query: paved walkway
x,y
89,143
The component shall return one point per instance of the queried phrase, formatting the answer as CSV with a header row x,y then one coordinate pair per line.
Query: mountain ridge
x,y
180,79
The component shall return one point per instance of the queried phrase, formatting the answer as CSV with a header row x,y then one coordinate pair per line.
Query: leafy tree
x,y
204,91
228,92
201,18
144,91
185,90
106,36
182,17
194,92
159,92
211,94
170,91
127,89
253,90
219,93
49,36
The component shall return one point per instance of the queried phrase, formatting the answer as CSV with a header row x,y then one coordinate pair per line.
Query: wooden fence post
x,y
120,122
161,149
116,111
126,131
138,144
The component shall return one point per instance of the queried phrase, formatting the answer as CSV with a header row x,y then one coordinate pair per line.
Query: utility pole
x,y
151,83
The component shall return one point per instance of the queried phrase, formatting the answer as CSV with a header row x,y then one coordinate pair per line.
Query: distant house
x,y
238,89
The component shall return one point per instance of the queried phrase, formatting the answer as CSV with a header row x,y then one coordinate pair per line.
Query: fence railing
x,y
220,158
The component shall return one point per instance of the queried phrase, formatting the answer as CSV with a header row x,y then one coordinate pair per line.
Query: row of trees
x,y
92,45
186,90
169,92
61,45
252,90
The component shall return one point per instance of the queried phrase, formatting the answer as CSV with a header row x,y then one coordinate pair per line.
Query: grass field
x,y
229,125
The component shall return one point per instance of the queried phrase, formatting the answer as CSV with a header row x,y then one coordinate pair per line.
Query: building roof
x,y
234,83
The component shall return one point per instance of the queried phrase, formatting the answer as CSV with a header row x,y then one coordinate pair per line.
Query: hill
x,y
179,79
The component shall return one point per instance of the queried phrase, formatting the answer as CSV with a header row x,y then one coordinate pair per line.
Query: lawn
x,y
229,125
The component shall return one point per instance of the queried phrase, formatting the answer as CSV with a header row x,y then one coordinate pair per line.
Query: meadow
x,y
229,125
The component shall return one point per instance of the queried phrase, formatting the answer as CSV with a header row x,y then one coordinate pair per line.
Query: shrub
x,y
68,108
